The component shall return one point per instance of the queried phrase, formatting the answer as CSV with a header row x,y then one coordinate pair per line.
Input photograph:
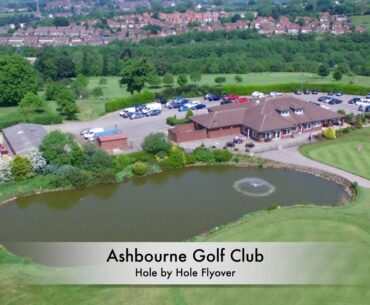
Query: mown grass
x,y
349,223
362,20
344,153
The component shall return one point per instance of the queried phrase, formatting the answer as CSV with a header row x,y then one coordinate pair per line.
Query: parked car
x,y
314,92
177,104
298,92
84,131
125,113
273,93
327,100
335,101
137,115
354,100
367,109
213,98
198,107
183,108
3,150
92,132
330,93
257,94
207,96
238,140
224,102
338,93
162,101
153,112
139,107
230,97
230,144
322,98
306,91
241,100
151,106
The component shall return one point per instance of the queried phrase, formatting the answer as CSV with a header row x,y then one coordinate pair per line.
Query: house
x,y
274,118
114,142
22,138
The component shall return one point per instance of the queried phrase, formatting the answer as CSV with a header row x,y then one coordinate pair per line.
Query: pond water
x,y
170,206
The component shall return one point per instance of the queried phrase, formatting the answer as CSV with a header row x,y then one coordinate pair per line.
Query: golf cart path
x,y
293,156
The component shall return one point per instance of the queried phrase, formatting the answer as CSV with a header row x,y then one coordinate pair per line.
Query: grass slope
x,y
309,223
362,20
343,152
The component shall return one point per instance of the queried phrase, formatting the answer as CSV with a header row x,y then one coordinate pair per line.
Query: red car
x,y
230,97
3,150
241,100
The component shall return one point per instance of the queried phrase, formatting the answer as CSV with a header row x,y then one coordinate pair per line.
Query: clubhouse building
x,y
263,121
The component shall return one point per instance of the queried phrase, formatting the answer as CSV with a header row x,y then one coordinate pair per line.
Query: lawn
x,y
362,20
311,223
343,152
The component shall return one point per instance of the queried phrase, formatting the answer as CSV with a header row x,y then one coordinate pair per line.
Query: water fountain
x,y
253,186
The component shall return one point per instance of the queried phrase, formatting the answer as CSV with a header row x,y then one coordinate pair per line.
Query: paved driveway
x,y
293,156
136,129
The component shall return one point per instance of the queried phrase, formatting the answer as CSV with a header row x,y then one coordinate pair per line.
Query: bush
x,y
222,155
176,159
273,207
190,159
120,103
346,130
45,119
359,120
204,155
173,121
329,133
140,169
5,172
156,142
123,161
21,168
341,111
189,114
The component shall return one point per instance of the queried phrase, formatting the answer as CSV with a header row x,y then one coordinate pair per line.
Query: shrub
x,y
156,142
140,169
45,119
341,111
260,163
329,133
21,168
189,114
38,162
359,120
222,155
5,172
204,155
190,159
172,121
175,160
122,161
273,207
346,130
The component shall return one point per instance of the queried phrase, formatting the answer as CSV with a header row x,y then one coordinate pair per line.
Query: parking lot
x,y
138,129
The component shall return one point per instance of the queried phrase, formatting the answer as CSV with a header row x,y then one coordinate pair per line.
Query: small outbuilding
x,y
113,142
22,138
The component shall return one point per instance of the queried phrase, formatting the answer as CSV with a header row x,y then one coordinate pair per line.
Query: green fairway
x,y
310,223
344,152
362,20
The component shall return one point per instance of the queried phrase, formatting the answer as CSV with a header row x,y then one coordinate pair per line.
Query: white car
x,y
325,107
365,102
192,104
273,94
92,132
126,111
257,94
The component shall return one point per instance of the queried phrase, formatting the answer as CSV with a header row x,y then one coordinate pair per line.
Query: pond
x,y
171,206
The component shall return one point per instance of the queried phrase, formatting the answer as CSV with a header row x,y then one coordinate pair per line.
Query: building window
x,y
317,124
287,131
307,126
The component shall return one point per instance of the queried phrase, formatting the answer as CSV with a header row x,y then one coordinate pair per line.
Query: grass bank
x,y
350,152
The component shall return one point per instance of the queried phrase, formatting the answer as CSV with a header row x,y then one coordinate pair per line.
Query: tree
x,y
182,80
155,143
189,114
66,103
154,80
337,74
80,86
52,89
195,77
5,172
301,22
323,70
31,103
238,78
38,162
21,168
95,159
135,73
235,18
168,79
60,148
97,92
60,21
220,79
17,78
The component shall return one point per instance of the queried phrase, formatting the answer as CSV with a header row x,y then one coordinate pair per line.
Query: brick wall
x,y
114,144
223,132
186,132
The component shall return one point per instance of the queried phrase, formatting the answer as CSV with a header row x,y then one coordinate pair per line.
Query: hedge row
x,y
41,118
290,87
124,102
190,90
172,121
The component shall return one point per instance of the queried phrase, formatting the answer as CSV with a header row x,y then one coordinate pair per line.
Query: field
x,y
348,224
344,152
363,20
